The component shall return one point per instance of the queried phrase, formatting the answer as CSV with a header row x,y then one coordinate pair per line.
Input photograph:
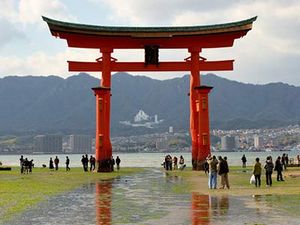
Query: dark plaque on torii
x,y
151,55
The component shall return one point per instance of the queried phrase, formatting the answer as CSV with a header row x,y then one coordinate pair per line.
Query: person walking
x,y
56,162
212,175
279,168
118,161
67,163
257,172
269,166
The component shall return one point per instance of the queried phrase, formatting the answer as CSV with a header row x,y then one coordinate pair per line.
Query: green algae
x,y
19,192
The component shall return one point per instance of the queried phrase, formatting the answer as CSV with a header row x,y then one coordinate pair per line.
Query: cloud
x,y
30,11
158,12
9,32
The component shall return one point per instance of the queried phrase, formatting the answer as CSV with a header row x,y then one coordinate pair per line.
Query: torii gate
x,y
151,39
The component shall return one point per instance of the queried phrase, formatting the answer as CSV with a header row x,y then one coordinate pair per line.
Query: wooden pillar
x,y
194,82
204,132
102,142
102,139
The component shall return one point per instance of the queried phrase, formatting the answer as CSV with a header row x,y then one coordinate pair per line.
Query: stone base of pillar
x,y
198,165
105,166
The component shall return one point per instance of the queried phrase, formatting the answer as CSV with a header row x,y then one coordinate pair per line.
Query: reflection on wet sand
x,y
103,202
205,208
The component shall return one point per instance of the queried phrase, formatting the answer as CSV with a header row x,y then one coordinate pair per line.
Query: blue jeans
x,y
212,180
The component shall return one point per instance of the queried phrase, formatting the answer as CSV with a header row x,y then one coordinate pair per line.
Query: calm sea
x,y
144,159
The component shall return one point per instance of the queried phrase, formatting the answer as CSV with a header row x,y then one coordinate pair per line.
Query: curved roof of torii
x,y
56,27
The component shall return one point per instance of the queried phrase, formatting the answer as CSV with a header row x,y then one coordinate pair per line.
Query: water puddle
x,y
152,197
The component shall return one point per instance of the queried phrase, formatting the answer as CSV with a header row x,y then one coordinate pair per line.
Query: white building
x,y
141,116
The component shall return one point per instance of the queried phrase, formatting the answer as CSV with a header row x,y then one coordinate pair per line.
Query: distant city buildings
x,y
80,144
228,143
258,142
48,144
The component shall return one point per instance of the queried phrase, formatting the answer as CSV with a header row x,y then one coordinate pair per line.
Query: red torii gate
x,y
151,39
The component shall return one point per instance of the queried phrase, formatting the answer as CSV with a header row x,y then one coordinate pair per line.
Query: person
x,y
51,167
244,160
181,163
22,164
223,172
226,179
257,172
298,159
30,165
283,161
118,161
286,160
67,163
278,168
175,160
112,163
269,170
168,162
56,162
92,163
83,161
26,165
212,176
86,162
206,167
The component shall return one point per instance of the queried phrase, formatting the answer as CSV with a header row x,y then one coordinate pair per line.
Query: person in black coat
x,y
269,166
279,168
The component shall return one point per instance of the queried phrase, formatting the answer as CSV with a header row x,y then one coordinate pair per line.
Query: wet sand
x,y
156,197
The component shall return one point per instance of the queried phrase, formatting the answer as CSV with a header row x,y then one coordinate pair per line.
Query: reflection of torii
x,y
103,202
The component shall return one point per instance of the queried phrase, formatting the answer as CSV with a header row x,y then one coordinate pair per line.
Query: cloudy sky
x,y
270,52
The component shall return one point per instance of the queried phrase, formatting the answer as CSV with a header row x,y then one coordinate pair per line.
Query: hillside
x,y
53,104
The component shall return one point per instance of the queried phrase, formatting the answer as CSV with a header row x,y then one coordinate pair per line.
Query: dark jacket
x,y
223,167
278,166
269,166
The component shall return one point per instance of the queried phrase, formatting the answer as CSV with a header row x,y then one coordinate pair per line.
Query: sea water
x,y
144,159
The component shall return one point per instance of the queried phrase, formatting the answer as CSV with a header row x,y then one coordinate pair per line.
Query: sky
x,y
270,52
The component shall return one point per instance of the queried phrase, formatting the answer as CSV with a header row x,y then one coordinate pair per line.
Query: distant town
x,y
277,139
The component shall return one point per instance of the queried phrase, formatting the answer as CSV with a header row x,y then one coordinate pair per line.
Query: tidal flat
x,y
145,196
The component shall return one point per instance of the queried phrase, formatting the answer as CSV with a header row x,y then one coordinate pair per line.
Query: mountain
x,y
53,104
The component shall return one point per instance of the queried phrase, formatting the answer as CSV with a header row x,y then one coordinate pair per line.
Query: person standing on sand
x,y
257,172
212,175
